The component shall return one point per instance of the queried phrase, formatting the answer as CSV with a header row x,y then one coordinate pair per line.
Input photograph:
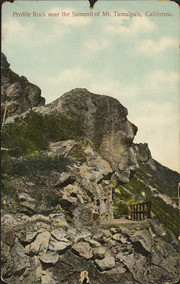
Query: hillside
x,y
70,170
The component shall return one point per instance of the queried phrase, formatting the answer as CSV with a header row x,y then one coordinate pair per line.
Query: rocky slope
x,y
68,169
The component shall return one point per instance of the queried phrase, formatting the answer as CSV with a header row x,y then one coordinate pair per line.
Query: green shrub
x,y
32,164
121,209
34,132
25,135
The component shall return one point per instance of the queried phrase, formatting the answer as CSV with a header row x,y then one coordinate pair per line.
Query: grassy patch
x,y
122,197
121,209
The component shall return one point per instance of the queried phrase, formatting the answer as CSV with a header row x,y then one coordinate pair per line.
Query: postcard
x,y
89,142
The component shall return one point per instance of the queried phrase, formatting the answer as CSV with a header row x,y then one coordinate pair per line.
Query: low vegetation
x,y
139,190
33,132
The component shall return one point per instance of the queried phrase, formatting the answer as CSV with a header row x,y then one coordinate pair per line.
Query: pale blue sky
x,y
132,59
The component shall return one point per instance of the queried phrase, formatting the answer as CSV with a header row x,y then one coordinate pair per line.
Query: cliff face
x,y
70,168
17,94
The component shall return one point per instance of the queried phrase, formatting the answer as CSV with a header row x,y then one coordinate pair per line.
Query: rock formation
x,y
59,193
104,121
17,94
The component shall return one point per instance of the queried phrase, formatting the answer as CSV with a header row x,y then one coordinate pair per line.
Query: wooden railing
x,y
140,211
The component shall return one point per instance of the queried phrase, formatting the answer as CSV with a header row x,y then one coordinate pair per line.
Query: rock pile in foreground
x,y
46,249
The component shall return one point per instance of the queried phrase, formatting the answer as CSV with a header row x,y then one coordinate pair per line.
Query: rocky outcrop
x,y
104,121
143,154
17,94
58,221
